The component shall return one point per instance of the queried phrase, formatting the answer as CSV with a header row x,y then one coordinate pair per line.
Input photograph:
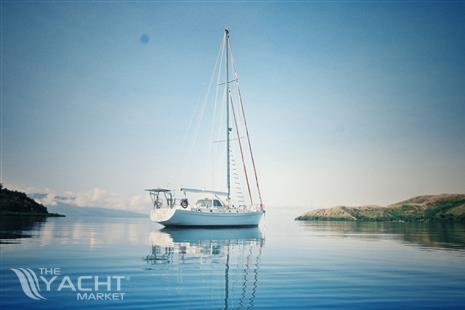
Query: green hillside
x,y
18,203
445,207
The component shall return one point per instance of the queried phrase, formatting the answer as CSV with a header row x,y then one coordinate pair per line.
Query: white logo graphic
x,y
29,282
86,287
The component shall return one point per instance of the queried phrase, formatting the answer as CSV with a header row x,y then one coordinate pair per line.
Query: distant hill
x,y
445,207
75,211
18,203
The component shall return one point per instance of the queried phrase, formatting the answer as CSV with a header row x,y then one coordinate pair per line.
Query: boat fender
x,y
184,203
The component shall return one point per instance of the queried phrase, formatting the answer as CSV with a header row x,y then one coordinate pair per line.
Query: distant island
x,y
428,208
72,211
18,203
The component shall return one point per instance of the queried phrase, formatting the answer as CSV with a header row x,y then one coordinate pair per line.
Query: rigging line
x,y
210,156
200,112
194,122
215,101
246,128
217,136
221,141
242,153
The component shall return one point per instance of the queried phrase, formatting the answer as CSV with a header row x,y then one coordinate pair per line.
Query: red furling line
x,y
242,153
262,207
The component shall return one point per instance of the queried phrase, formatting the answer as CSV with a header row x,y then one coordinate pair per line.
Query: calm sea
x,y
134,263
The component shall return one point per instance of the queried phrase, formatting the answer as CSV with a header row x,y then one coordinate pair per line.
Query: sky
x,y
347,102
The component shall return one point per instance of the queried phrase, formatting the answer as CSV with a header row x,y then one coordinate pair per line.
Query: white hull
x,y
183,217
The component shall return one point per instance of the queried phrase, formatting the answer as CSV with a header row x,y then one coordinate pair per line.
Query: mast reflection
x,y
238,250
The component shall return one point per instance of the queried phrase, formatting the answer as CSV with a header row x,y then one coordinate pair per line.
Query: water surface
x,y
282,264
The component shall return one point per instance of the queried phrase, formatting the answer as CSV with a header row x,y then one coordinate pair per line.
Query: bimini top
x,y
193,190
158,190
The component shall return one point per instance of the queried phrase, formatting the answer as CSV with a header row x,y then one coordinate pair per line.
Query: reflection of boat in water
x,y
170,245
238,250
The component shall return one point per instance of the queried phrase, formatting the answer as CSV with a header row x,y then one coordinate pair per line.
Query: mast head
x,y
226,30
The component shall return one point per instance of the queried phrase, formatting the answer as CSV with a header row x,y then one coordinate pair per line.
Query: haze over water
x,y
282,264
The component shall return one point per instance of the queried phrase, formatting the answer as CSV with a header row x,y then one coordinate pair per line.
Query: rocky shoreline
x,y
14,203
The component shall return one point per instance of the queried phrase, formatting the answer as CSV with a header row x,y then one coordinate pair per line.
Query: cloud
x,y
95,197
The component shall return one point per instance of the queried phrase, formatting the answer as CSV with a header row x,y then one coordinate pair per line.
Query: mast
x,y
228,129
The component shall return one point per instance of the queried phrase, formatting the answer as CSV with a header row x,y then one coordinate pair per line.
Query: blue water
x,y
282,264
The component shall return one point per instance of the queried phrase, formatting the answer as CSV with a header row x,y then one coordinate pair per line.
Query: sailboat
x,y
215,208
